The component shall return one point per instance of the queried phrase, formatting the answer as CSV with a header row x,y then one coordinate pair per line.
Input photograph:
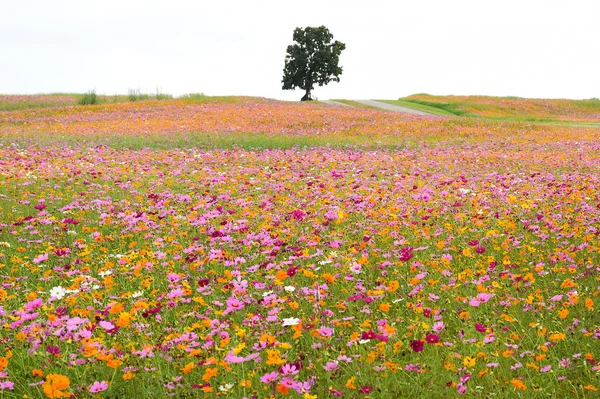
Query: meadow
x,y
512,108
251,248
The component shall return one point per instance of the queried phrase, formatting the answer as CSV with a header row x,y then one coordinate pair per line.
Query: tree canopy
x,y
312,60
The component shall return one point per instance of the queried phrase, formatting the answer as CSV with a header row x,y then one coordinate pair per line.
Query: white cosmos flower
x,y
58,292
225,388
289,288
105,273
292,321
137,294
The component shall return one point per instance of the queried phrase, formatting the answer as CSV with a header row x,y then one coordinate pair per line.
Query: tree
x,y
312,60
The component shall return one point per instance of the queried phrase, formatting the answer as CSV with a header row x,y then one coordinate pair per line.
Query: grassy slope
x,y
473,106
421,107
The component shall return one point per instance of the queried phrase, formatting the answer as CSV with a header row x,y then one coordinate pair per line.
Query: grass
x,y
57,100
137,95
441,108
89,98
223,141
421,107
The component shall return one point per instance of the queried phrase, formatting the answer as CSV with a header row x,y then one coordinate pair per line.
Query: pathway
x,y
391,107
331,102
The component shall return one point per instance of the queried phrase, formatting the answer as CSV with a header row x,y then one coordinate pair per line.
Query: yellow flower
x,y
469,361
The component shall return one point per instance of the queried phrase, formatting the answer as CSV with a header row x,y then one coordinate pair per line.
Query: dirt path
x,y
331,102
391,107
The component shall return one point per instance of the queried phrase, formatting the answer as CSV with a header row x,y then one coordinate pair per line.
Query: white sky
x,y
527,48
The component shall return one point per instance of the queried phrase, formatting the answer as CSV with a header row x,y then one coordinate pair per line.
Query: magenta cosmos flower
x,y
432,338
417,345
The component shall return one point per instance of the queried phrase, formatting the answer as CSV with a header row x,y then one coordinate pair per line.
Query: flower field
x,y
259,249
519,108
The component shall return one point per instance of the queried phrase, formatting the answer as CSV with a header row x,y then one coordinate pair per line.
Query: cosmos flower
x,y
58,292
98,387
291,321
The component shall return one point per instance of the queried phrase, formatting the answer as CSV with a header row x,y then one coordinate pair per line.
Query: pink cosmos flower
x,y
231,358
32,305
325,331
98,387
177,292
438,326
7,385
330,366
270,377
40,258
484,297
107,325
289,369
234,304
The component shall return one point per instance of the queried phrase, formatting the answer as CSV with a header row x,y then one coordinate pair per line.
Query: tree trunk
x,y
306,96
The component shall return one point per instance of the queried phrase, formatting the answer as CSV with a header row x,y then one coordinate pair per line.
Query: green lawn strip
x,y
419,107
451,108
544,121
221,141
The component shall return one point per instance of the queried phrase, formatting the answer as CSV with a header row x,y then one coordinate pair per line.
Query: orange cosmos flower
x,y
518,384
54,386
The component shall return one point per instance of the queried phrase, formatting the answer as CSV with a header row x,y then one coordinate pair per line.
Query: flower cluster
x,y
468,267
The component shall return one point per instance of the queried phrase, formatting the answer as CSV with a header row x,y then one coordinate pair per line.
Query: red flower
x,y
417,345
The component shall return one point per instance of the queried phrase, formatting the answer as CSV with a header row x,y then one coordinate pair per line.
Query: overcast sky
x,y
527,48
